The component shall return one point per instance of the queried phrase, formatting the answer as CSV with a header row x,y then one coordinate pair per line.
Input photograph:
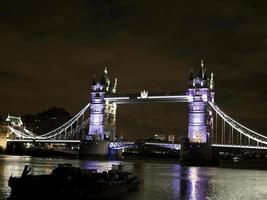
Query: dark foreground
x,y
162,179
68,182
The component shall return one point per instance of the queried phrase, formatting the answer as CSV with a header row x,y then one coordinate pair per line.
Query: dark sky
x,y
49,51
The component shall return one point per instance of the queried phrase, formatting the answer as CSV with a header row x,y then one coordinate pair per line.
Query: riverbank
x,y
254,163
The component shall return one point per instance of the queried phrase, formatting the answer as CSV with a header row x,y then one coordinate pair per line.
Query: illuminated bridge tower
x,y
200,117
97,106
102,114
198,93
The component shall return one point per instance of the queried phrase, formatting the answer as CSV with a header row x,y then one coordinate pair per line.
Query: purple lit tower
x,y
100,125
200,91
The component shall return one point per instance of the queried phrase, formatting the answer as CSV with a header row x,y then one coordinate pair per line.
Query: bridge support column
x,y
197,121
97,149
198,153
196,149
102,118
97,109
102,113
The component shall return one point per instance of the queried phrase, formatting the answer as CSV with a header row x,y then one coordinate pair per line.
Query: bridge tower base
x,y
3,145
97,149
199,154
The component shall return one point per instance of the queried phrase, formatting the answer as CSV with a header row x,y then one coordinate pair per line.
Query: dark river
x,y
161,181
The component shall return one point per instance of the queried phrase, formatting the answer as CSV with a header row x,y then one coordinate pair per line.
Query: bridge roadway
x,y
122,145
146,98
43,141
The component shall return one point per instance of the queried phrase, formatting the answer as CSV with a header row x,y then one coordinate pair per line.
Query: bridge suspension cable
x,y
20,134
29,132
64,131
65,125
243,130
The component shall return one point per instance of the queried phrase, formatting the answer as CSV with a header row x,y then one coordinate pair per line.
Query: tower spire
x,y
105,80
106,70
211,81
114,89
203,70
200,73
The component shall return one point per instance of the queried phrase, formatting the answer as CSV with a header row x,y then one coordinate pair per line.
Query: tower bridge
x,y
208,126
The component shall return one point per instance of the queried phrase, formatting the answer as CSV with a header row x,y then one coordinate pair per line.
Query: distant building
x,y
171,138
160,137
45,121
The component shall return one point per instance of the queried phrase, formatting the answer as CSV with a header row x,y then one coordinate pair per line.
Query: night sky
x,y
49,51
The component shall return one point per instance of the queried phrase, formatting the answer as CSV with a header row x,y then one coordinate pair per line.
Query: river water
x,y
161,180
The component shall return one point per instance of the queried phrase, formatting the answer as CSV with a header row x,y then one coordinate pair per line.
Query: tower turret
x,y
211,81
212,87
203,70
202,75
105,80
114,89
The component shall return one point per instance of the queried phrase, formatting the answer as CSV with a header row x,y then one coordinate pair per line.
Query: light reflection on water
x,y
160,180
193,176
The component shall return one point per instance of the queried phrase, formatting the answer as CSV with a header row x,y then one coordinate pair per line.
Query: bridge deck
x,y
43,141
121,145
149,98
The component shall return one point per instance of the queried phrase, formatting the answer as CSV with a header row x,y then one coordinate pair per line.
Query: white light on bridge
x,y
116,98
168,97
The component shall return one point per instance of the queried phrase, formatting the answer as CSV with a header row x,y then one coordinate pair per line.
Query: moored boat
x,y
68,182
